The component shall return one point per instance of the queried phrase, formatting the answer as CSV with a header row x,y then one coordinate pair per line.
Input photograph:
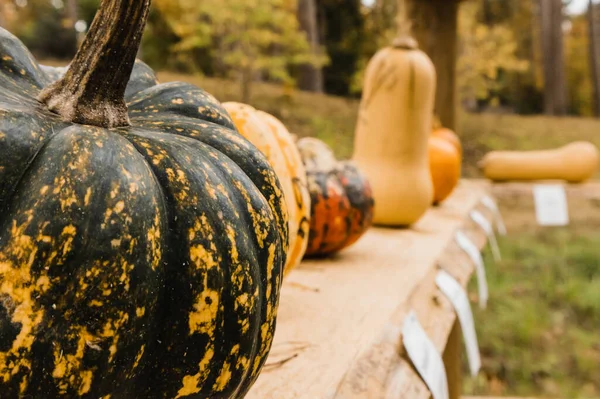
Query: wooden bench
x,y
338,333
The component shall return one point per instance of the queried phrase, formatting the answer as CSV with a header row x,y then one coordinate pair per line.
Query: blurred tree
x,y
487,53
524,91
435,26
594,53
248,38
158,43
71,19
551,19
310,76
579,78
42,26
341,25
87,9
379,29
7,11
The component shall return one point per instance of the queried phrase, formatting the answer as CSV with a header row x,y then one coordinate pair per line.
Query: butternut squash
x,y
575,163
393,129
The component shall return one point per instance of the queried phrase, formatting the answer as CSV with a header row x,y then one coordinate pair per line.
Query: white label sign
x,y
489,203
425,357
458,297
487,227
467,245
551,205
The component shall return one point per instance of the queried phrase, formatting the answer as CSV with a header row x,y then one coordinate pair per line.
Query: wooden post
x,y
311,77
435,26
551,36
452,361
594,24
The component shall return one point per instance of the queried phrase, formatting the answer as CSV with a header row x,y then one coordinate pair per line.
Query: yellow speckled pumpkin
x,y
142,238
272,138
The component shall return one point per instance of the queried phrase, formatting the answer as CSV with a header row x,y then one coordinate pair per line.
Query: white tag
x,y
425,357
551,205
489,203
467,245
486,226
458,296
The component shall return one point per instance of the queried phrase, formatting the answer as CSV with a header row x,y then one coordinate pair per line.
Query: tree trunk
x,y
246,77
594,28
2,13
310,77
73,17
435,26
555,86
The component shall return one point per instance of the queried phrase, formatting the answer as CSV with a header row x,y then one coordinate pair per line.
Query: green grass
x,y
540,335
333,120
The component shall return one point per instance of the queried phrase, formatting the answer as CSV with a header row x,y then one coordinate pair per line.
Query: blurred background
x,y
506,46
516,59
527,76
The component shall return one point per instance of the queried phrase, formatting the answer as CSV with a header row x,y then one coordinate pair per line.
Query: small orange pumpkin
x,y
442,132
445,165
449,136
272,138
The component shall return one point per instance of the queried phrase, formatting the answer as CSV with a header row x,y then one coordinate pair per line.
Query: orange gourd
x,y
272,138
445,167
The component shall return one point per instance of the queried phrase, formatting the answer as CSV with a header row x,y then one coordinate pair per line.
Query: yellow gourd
x,y
575,162
272,138
394,125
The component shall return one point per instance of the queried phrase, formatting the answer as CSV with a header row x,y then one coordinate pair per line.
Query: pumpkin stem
x,y
404,38
92,92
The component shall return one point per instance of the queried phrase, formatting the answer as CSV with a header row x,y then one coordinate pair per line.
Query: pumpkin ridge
x,y
183,140
68,315
13,51
7,194
11,96
138,137
229,143
179,98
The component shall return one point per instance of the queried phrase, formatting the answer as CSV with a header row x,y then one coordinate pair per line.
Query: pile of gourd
x,y
146,227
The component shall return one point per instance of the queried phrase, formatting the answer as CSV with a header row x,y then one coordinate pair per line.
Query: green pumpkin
x,y
139,259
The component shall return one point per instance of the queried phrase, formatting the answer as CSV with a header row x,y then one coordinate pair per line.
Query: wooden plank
x,y
490,397
338,333
452,361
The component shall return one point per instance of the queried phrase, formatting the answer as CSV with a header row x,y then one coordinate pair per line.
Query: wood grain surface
x,y
339,327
